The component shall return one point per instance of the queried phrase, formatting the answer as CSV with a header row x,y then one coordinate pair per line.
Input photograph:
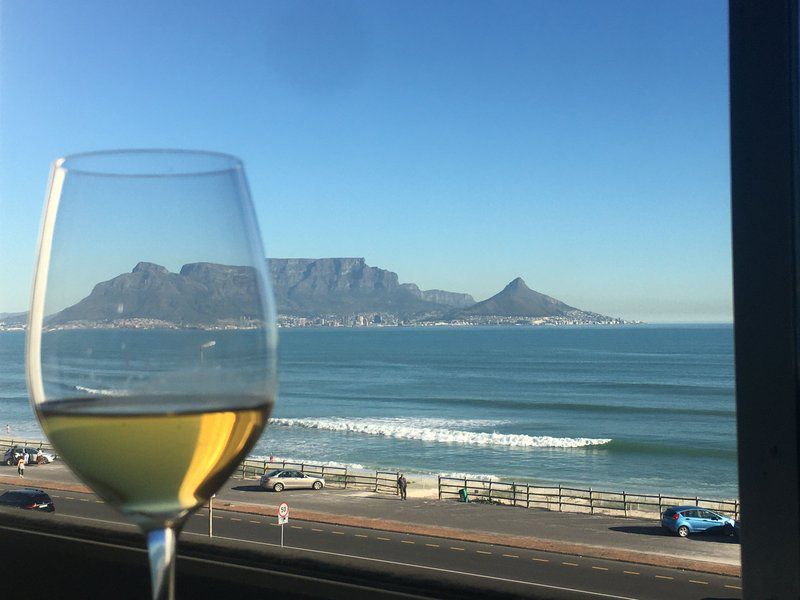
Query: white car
x,y
287,479
43,457
35,456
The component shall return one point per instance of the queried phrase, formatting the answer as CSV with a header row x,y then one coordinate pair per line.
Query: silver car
x,y
281,479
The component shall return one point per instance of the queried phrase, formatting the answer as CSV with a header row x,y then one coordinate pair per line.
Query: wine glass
x,y
151,349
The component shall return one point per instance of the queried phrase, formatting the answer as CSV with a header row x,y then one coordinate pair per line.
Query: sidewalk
x,y
600,536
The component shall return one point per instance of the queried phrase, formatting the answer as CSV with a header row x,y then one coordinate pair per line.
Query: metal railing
x,y
560,498
569,499
384,482
10,442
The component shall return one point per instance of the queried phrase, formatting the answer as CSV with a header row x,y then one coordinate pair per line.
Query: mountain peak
x,y
148,267
517,284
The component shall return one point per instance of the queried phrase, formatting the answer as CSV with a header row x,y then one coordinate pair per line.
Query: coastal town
x,y
359,320
379,319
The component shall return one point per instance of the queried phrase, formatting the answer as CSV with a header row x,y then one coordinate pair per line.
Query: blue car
x,y
683,520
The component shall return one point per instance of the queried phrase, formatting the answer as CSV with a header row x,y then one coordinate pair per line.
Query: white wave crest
x,y
306,461
98,392
411,429
471,476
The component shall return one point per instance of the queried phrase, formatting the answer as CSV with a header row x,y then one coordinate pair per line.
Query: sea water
x,y
640,409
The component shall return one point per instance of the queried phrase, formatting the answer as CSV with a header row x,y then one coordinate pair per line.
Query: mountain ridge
x,y
343,291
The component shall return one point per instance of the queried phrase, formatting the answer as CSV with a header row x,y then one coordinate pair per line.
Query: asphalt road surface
x,y
501,568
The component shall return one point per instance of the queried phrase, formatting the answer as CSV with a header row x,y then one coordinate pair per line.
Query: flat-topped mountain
x,y
201,293
318,286
517,300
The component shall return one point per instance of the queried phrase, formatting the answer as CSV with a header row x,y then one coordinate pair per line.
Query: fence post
x,y
659,503
440,487
376,481
624,504
559,497
527,495
345,478
591,502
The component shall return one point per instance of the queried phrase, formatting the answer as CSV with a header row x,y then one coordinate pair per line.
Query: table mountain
x,y
201,293
206,293
343,286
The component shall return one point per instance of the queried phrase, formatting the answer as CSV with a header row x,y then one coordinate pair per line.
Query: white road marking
x,y
369,559
428,568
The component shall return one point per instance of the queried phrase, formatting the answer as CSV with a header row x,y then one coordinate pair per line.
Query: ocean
x,y
646,409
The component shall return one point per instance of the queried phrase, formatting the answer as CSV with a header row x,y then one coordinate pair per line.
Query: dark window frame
x,y
765,111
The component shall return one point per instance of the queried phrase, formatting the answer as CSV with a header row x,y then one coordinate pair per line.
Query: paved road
x,y
633,540
517,570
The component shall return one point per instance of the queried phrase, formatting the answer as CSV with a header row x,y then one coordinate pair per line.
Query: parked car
x,y
28,499
35,456
683,520
280,479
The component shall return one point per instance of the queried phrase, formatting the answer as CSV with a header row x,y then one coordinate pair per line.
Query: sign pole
x,y
211,516
283,517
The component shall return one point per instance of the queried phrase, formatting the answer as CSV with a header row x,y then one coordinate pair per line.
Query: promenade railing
x,y
9,442
384,482
527,495
570,499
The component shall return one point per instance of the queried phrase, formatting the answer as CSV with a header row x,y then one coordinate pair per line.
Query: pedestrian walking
x,y
21,467
401,485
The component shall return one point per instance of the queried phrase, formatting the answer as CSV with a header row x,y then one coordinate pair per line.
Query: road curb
x,y
523,542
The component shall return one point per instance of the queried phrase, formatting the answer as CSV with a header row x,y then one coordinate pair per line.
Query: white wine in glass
x,y
151,351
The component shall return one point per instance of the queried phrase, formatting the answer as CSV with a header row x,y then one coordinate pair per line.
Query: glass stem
x,y
161,550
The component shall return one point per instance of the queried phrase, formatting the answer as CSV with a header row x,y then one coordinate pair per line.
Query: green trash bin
x,y
463,496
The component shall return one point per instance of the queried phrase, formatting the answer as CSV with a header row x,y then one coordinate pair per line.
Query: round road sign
x,y
283,509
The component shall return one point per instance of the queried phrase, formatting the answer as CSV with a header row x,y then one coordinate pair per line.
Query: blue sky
x,y
580,145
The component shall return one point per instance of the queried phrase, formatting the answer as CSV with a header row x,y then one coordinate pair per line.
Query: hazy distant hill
x,y
517,300
308,287
15,318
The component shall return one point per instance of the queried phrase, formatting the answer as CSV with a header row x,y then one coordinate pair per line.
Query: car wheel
x,y
727,530
9,462
683,531
278,487
317,485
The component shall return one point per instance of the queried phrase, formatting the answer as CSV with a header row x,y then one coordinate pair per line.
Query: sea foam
x,y
98,392
430,430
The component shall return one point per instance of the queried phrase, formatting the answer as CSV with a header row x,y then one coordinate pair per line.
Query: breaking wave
x,y
98,392
433,430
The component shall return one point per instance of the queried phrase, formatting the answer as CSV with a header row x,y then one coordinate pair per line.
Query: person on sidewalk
x,y
21,467
401,485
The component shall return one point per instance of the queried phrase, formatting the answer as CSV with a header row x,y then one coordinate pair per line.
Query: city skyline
x,y
583,148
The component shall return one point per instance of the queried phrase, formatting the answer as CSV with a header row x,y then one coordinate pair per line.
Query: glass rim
x,y
105,163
